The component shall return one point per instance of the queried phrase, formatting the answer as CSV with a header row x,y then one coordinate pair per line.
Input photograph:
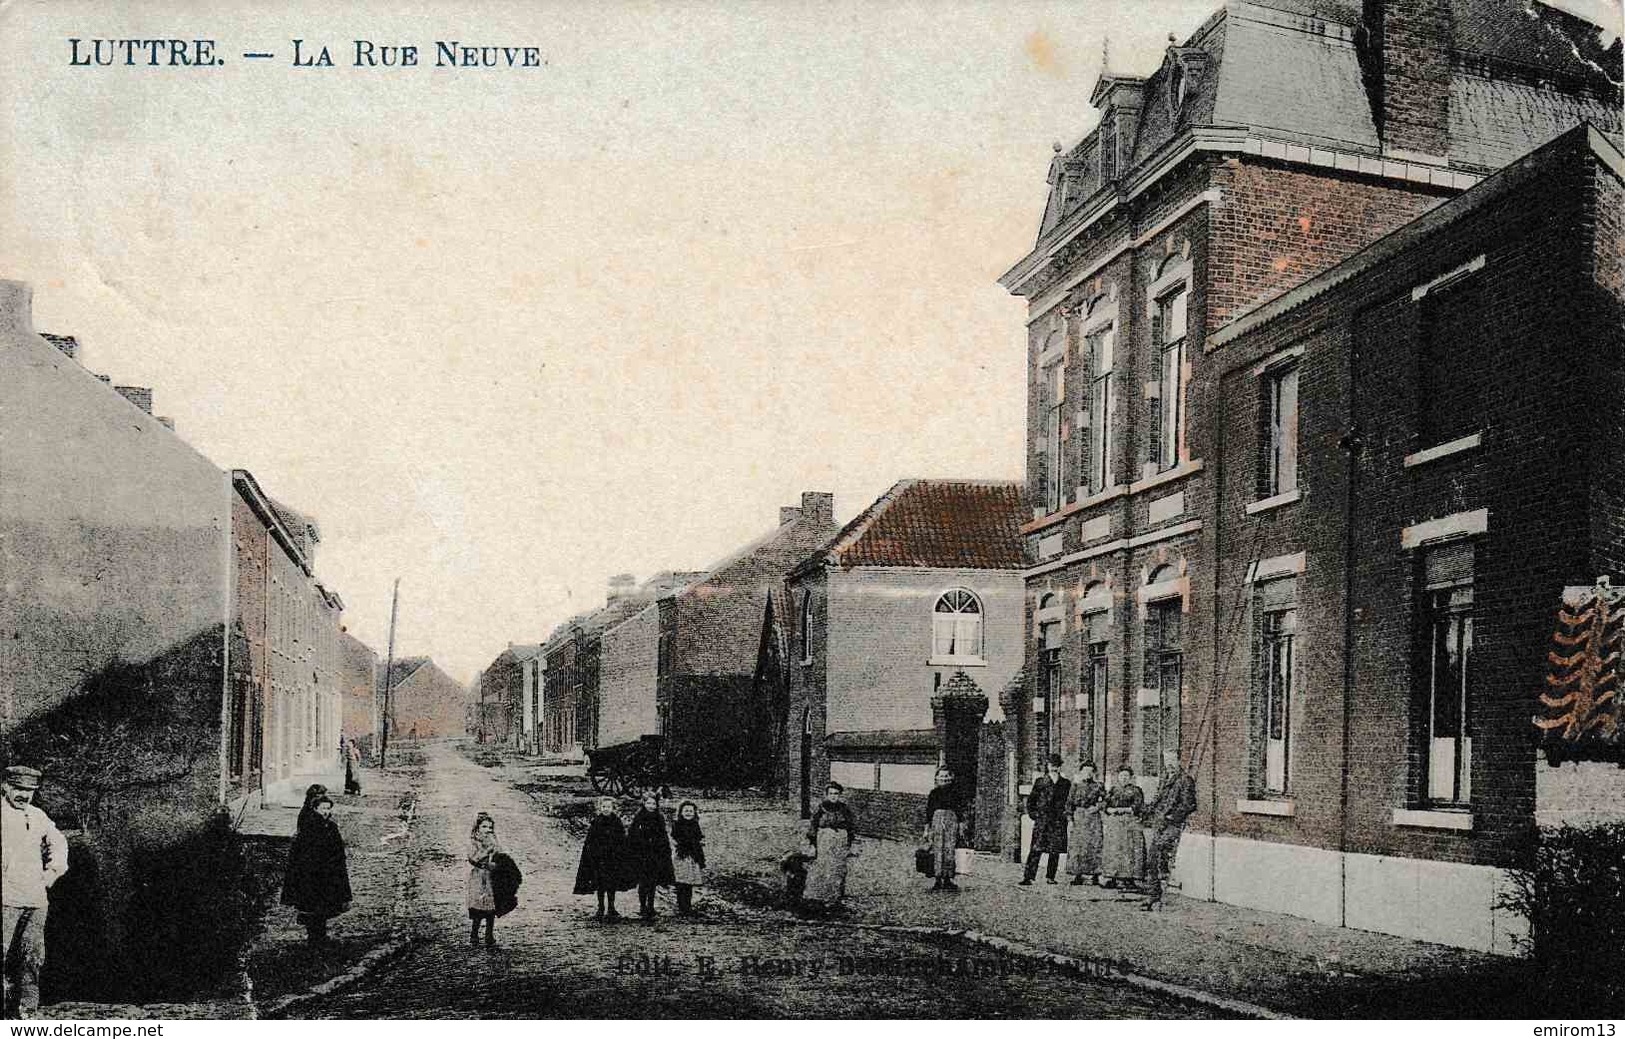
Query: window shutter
x,y
1449,564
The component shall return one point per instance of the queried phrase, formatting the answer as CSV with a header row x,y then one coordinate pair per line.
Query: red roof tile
x,y
935,523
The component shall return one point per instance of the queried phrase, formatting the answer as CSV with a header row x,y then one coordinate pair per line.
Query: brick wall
x,y
431,702
1277,226
627,680
1363,351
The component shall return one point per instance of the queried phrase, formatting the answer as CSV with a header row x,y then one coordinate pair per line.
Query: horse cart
x,y
628,768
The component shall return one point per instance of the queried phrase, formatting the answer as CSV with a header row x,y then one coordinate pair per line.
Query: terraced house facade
x,y
1283,137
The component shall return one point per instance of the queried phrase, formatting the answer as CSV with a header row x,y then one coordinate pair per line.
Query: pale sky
x,y
507,332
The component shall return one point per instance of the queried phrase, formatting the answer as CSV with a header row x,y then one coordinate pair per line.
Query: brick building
x,y
898,630
720,724
1281,138
509,693
425,703
166,654
571,673
1415,454
358,690
285,710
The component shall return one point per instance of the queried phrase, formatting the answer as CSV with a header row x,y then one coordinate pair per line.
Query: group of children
x,y
618,857
615,857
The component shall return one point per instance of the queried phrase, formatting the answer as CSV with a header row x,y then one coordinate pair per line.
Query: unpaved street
x,y
554,960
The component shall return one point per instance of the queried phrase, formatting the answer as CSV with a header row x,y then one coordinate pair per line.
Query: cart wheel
x,y
601,783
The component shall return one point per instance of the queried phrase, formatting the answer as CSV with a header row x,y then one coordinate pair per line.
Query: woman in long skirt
x,y
1122,845
944,825
830,833
1085,802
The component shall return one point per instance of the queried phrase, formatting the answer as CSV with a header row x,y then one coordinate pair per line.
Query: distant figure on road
x,y
1174,803
1083,840
317,883
944,826
1122,846
831,832
648,849
1047,807
483,850
33,856
603,868
688,864
352,766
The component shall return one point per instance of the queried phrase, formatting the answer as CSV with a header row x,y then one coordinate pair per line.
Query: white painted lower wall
x,y
1451,903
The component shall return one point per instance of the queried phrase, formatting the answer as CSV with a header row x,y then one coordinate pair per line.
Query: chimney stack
x,y
140,396
789,514
621,586
1405,48
818,506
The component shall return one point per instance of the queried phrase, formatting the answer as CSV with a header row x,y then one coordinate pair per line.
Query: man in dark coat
x,y
1166,815
1046,805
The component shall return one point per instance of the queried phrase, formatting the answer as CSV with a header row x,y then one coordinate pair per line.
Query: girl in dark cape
x,y
648,851
603,870
317,882
689,862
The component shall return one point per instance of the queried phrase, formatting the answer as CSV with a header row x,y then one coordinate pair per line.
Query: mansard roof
x,y
1290,72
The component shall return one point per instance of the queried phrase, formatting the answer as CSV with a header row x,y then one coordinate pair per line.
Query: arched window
x,y
956,626
804,619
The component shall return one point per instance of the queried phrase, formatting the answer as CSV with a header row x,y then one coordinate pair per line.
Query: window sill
x,y
1267,806
806,663
1275,502
956,662
1432,819
1454,447
1167,476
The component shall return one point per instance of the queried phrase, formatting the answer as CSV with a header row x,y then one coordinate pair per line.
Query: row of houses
x,y
1325,374
168,655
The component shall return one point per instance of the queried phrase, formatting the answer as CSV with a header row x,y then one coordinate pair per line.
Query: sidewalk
x,y
281,963
1282,963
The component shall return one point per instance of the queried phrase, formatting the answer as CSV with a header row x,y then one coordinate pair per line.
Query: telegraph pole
x,y
389,677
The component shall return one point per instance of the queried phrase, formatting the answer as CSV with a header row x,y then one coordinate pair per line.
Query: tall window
x,y
804,635
1168,338
956,626
1448,604
1278,630
1452,376
1101,347
1164,668
1046,729
1096,687
1281,431
1054,402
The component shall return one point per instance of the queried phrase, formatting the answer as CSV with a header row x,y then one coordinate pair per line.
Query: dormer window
x,y
1108,150
1183,68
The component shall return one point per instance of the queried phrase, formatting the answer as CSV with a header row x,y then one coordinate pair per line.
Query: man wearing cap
x,y
33,854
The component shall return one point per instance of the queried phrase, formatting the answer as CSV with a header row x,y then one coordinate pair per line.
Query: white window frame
x,y
954,619
1170,355
1100,334
1278,647
1281,453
